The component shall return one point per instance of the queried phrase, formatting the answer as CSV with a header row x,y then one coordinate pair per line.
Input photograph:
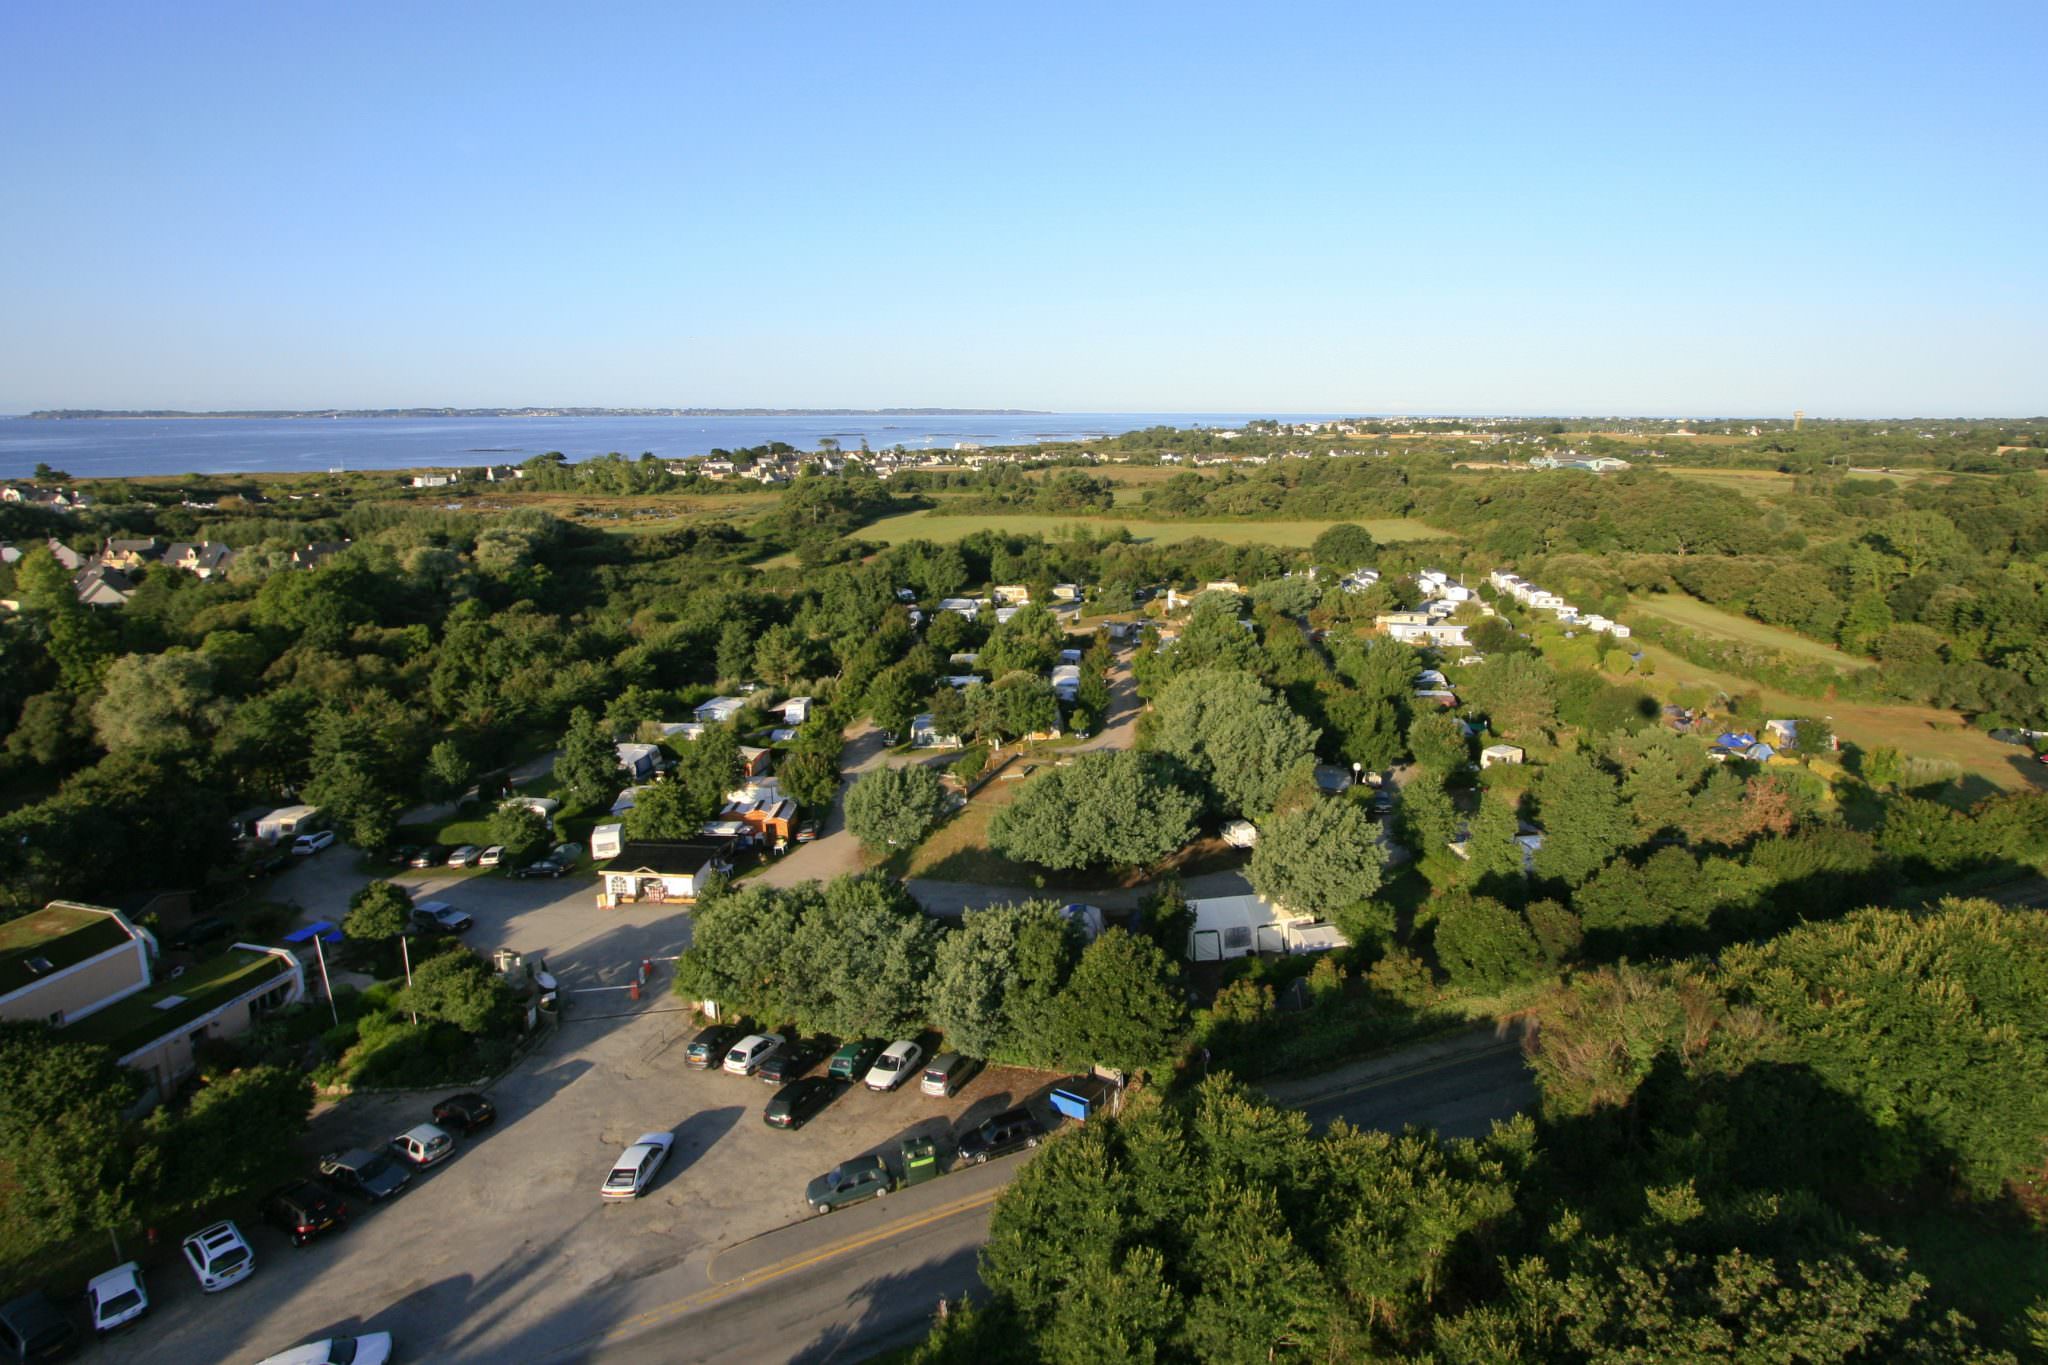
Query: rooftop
x,y
148,1015
60,934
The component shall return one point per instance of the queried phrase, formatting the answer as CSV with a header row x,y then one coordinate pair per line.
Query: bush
x,y
894,807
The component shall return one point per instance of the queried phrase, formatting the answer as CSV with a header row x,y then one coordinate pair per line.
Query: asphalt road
x,y
827,1290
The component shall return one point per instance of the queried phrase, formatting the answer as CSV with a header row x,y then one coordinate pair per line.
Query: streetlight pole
x,y
405,952
325,980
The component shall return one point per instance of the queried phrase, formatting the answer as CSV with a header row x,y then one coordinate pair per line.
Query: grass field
x,y
942,526
1696,615
1915,731
1747,481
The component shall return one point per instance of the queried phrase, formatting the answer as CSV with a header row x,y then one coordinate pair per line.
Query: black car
x,y
467,1112
435,855
403,855
792,1060
1006,1132
708,1048
439,917
373,1175
202,931
275,861
31,1328
798,1101
304,1210
543,868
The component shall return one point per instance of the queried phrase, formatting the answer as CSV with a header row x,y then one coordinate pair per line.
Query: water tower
x,y
1798,416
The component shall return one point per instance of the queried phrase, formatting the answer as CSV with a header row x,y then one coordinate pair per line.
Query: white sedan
x,y
748,1054
373,1348
896,1065
634,1171
116,1298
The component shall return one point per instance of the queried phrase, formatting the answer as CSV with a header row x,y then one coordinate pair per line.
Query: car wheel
x,y
819,1208
1030,1142
981,1158
882,1193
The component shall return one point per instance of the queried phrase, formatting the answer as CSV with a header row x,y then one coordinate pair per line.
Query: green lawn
x,y
1696,615
942,527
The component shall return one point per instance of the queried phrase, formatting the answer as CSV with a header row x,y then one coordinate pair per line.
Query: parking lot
x,y
505,1251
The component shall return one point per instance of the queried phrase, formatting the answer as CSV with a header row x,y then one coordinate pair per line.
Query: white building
x,y
1237,926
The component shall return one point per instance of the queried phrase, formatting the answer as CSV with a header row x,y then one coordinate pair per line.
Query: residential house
x,y
205,559
771,822
925,735
1500,753
661,870
130,555
1237,926
436,480
719,710
65,555
639,761
1420,628
91,973
99,586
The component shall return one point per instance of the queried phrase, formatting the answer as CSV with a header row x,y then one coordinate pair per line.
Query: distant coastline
x,y
155,414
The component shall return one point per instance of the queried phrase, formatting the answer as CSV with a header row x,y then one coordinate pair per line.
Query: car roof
x,y
121,1276
654,1139
423,1132
1008,1115
899,1049
219,1235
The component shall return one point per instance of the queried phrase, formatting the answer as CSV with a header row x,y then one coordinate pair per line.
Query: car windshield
x,y
229,1259
120,1303
887,1063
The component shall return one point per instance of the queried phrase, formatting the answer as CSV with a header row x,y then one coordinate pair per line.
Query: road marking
x,y
704,1298
1324,1097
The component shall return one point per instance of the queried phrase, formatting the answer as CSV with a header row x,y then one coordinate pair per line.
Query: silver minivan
x,y
947,1073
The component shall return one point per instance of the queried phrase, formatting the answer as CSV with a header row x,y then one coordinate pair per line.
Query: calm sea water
x,y
103,448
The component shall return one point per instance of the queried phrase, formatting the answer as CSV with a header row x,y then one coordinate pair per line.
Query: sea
x,y
95,447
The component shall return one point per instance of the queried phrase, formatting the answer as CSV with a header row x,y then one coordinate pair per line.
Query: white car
x,y
423,1145
116,1298
634,1171
312,843
897,1064
749,1052
373,1348
492,856
219,1256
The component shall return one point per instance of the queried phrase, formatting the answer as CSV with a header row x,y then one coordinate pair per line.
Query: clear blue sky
x,y
1345,207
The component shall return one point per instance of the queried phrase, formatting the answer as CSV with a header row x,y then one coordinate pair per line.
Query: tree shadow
x,y
695,1136
896,1309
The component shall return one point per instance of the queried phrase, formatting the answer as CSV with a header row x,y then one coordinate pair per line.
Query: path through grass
x,y
1696,615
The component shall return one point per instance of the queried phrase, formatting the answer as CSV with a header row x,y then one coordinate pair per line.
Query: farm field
x,y
942,526
1915,731
1694,614
1747,481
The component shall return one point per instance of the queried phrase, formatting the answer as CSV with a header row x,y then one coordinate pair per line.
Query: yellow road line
x,y
703,1298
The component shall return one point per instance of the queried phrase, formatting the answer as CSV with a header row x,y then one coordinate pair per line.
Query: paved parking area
x,y
506,1251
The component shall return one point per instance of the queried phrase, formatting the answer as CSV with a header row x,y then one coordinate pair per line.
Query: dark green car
x,y
851,1062
850,1182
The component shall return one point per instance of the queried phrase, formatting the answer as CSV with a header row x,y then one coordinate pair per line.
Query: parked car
x,y
372,1348
312,843
1009,1131
433,855
468,1111
31,1328
634,1171
807,831
798,1102
491,856
896,1065
303,1210
202,931
750,1051
711,1044
403,855
543,868
566,856
219,1256
792,1060
947,1073
372,1175
465,856
423,1145
852,1060
439,917
850,1182
264,864
116,1298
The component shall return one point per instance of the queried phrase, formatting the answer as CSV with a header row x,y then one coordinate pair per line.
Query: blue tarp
x,y
326,930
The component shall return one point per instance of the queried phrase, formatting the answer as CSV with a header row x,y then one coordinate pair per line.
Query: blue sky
x,y
1344,207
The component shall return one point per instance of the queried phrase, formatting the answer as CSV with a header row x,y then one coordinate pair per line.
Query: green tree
x,y
1344,547
587,769
1517,693
1029,642
810,777
225,1140
1494,857
783,655
1883,767
377,913
1439,743
735,652
449,771
666,810
895,695
1119,808
974,971
894,807
1482,944
1426,816
62,1139
862,959
1368,729
1123,1006
1583,821
1319,859
158,701
459,988
1241,741
1659,771
521,831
